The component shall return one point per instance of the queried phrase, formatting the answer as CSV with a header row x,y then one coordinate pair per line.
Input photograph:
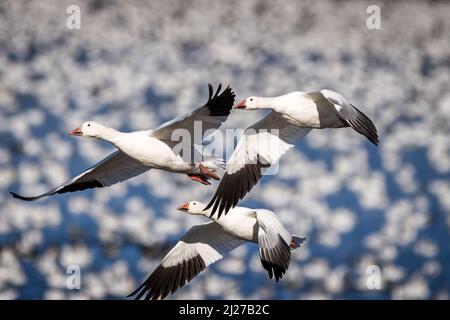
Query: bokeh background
x,y
135,64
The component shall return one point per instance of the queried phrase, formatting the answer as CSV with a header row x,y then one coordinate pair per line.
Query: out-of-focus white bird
x,y
206,243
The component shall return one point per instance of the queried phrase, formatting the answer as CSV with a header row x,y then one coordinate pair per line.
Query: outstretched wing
x,y
274,244
259,147
201,246
352,116
115,168
211,116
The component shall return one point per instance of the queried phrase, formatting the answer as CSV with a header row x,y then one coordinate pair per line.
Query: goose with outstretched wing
x,y
140,151
292,117
207,243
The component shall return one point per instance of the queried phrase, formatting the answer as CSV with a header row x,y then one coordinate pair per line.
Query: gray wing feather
x,y
352,116
274,244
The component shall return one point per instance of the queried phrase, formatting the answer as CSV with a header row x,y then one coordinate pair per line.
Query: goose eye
x,y
251,99
89,124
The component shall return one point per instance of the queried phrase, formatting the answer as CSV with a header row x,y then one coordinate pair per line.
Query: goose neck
x,y
109,134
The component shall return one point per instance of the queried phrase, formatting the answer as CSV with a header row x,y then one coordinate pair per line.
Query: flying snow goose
x,y
140,151
292,114
206,243
315,109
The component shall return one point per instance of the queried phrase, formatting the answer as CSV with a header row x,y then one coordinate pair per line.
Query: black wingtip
x,y
277,262
210,89
18,196
220,103
136,291
230,190
364,126
218,89
165,280
371,135
374,140
214,211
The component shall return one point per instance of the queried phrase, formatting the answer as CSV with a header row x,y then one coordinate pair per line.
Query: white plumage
x,y
140,151
293,116
206,243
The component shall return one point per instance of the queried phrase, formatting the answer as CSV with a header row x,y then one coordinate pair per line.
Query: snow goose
x,y
140,151
293,114
206,243
315,109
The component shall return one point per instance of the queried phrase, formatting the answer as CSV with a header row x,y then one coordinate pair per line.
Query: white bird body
x,y
309,114
206,243
241,222
305,109
288,108
151,152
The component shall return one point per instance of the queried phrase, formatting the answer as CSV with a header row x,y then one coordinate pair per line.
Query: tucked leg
x,y
199,178
208,172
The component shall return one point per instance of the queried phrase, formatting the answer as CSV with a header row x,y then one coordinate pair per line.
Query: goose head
x,y
89,129
193,207
251,103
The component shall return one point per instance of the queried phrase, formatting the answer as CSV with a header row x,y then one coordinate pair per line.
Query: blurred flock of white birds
x,y
133,65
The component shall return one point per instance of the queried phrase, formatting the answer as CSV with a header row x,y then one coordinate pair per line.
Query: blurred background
x,y
135,64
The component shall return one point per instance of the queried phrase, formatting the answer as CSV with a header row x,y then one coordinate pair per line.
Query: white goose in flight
x,y
293,116
140,151
206,243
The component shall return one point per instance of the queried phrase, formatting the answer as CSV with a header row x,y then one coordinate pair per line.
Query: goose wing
x,y
211,116
201,246
352,116
115,168
274,244
258,148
